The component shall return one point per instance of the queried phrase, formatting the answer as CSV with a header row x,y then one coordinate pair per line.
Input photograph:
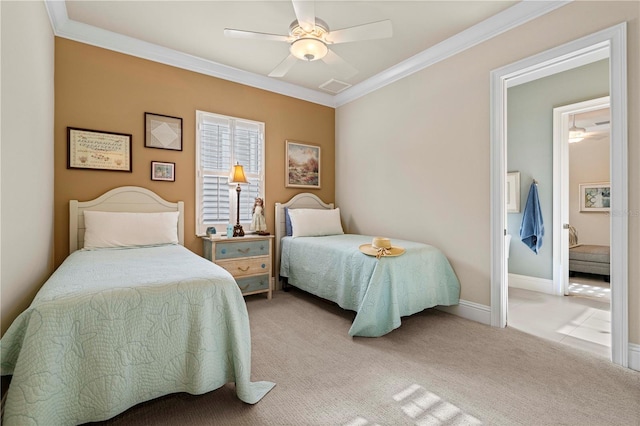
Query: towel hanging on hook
x,y
532,227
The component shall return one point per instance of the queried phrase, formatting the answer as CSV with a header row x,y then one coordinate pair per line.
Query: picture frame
x,y
163,171
162,131
512,193
595,197
302,165
98,150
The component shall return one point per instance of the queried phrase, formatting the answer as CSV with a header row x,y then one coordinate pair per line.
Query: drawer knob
x,y
224,251
263,266
243,269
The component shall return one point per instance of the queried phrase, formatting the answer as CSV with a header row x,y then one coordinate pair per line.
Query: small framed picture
x,y
162,131
595,197
163,171
512,193
303,165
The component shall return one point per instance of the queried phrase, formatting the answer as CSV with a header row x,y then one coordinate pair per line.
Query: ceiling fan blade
x,y
372,31
229,32
341,66
305,14
283,67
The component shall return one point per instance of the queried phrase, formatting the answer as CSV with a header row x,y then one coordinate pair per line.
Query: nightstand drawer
x,y
232,250
247,258
251,284
242,267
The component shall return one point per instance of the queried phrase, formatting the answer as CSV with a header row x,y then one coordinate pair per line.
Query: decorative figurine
x,y
259,224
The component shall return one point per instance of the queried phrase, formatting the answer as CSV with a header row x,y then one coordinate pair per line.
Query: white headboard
x,y
303,200
123,199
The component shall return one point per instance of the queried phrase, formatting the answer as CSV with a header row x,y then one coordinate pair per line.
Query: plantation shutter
x,y
247,150
222,142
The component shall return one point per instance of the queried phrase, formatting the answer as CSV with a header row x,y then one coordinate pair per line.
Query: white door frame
x,y
613,42
561,120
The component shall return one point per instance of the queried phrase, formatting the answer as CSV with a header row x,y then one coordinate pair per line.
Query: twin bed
x,y
323,261
118,324
132,315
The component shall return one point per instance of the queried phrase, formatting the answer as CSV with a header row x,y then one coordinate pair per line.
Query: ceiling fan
x,y
310,37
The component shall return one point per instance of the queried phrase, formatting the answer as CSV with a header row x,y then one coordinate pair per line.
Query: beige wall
x,y
588,162
415,154
27,148
102,90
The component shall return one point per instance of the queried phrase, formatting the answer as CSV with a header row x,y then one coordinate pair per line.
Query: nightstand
x,y
247,258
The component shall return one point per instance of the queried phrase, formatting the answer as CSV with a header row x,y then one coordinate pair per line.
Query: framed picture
x,y
303,165
163,171
513,192
595,197
162,131
98,150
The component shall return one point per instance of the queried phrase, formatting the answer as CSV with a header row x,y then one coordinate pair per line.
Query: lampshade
x,y
576,134
309,49
237,175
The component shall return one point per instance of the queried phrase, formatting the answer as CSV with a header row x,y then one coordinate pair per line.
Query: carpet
x,y
436,369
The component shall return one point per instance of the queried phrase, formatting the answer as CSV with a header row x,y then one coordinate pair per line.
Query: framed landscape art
x,y
302,165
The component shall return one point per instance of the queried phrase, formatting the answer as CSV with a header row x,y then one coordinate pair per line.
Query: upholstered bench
x,y
589,259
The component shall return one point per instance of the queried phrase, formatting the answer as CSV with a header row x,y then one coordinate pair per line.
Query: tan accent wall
x,y
100,89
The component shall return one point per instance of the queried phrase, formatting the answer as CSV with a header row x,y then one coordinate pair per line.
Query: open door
x,y
563,120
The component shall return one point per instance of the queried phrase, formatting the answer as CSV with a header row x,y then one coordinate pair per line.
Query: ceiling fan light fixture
x,y
309,49
576,134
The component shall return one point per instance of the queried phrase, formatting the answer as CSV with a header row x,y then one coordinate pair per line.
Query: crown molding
x,y
514,16
83,33
504,21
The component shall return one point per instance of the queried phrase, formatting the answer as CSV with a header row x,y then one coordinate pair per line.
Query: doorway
x,y
581,147
591,143
609,43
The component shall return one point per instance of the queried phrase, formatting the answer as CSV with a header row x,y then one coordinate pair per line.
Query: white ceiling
x,y
189,34
596,123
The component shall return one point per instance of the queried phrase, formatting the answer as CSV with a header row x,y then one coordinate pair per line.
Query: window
x,y
222,141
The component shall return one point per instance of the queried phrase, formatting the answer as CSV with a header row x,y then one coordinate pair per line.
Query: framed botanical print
x,y
595,197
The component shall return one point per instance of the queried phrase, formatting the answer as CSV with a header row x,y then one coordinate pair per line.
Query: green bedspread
x,y
380,291
113,328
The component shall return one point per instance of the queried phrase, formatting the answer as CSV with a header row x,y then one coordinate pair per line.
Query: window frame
x,y
200,226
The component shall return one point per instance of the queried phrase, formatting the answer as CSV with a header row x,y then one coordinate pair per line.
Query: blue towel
x,y
532,228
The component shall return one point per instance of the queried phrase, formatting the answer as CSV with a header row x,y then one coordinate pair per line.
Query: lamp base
x,y
238,231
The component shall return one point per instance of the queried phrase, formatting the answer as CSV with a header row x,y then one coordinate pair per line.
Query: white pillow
x,y
315,222
118,229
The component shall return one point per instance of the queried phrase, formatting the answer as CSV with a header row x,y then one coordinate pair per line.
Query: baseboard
x,y
482,313
469,310
524,282
634,356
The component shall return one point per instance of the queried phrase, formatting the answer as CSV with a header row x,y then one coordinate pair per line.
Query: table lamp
x,y
237,176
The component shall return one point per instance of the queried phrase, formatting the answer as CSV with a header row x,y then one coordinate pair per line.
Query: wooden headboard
x,y
303,200
132,199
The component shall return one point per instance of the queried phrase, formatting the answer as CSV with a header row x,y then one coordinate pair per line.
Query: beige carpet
x,y
436,369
